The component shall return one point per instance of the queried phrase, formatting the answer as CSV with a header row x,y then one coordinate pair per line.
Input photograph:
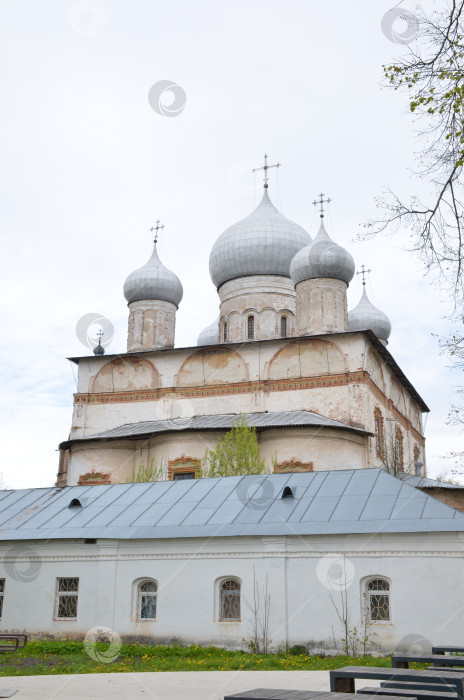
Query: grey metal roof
x,y
422,482
217,422
153,281
263,243
322,258
366,315
323,503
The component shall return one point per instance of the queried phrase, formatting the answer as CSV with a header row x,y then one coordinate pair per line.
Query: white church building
x,y
338,513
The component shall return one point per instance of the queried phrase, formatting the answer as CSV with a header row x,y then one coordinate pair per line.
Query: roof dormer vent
x,y
287,492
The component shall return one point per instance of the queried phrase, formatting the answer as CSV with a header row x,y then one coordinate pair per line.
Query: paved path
x,y
196,685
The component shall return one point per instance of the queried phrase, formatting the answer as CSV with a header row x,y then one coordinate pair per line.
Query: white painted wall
x,y
425,570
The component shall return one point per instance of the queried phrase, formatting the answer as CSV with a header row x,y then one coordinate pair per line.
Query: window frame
x,y
367,599
378,431
65,594
284,326
251,324
218,600
139,595
2,595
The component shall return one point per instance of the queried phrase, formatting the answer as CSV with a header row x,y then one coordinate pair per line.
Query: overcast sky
x,y
88,165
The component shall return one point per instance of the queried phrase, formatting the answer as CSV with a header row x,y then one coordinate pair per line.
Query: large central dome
x,y
263,243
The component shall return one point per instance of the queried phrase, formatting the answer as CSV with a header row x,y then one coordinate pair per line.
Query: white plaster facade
x,y
341,376
425,573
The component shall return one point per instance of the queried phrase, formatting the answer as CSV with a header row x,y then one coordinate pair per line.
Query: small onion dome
x,y
322,258
365,316
263,243
210,334
153,281
99,349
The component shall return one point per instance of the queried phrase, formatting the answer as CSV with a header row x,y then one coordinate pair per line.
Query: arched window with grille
x,y
378,600
251,327
147,592
283,326
229,600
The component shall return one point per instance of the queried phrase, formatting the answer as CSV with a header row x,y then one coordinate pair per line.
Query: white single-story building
x,y
178,560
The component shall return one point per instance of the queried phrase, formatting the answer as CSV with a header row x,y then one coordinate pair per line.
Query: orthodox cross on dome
x,y
266,167
100,335
321,201
156,229
364,273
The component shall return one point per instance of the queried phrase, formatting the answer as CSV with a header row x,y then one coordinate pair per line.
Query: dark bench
x,y
342,680
403,660
276,694
12,642
418,684
425,694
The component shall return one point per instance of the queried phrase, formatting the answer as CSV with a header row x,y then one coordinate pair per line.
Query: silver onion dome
x,y
263,243
366,316
210,334
322,258
153,281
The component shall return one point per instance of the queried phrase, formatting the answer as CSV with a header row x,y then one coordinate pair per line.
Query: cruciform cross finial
x,y
266,167
156,229
100,335
321,201
364,273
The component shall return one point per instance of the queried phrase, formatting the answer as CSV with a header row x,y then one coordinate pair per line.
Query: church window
x,y
251,327
378,600
183,475
66,599
283,326
398,450
378,420
146,600
224,333
2,594
230,600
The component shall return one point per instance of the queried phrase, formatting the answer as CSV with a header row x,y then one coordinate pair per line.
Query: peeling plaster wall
x,y
326,448
338,376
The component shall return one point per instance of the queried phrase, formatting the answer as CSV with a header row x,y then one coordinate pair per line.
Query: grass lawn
x,y
42,658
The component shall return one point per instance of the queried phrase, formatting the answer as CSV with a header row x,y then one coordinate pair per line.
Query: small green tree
x,y
147,472
236,454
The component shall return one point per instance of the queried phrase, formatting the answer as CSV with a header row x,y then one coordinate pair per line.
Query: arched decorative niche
x,y
126,374
212,366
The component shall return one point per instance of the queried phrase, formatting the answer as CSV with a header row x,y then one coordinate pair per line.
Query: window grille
x,y
251,327
399,449
183,475
378,435
230,600
378,591
2,594
224,333
283,327
146,602
66,602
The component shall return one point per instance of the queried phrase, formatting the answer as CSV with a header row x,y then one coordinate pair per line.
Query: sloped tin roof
x,y
277,419
323,503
